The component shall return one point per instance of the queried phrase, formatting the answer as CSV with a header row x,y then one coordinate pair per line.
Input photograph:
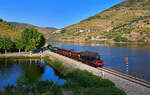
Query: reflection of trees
x,y
5,64
9,71
5,68
32,73
28,73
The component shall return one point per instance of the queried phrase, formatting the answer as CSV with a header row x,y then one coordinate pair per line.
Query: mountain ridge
x,y
47,31
14,29
127,22
24,25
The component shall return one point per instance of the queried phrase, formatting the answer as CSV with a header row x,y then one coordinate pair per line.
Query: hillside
x,y
127,21
7,29
47,31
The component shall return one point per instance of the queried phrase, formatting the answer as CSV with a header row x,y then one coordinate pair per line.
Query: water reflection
x,y
32,73
25,72
122,45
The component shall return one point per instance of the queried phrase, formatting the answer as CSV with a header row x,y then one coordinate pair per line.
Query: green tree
x,y
19,43
32,39
119,38
63,31
42,41
5,43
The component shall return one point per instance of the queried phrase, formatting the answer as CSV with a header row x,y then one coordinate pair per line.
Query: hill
x,y
127,21
7,29
47,31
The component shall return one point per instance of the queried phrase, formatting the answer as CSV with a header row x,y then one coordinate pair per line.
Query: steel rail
x,y
127,77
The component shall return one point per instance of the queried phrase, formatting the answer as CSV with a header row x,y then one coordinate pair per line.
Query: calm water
x,y
114,57
26,71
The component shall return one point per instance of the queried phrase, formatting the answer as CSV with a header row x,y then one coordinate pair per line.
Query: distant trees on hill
x,y
30,39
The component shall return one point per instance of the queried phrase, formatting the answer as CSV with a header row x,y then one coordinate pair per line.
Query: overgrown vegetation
x,y
56,64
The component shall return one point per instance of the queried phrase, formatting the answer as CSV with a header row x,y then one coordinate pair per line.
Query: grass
x,y
78,82
57,65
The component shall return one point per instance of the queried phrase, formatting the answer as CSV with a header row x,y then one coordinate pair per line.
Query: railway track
x,y
118,74
124,76
127,77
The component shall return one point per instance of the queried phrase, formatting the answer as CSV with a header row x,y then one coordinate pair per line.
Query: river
x,y
114,57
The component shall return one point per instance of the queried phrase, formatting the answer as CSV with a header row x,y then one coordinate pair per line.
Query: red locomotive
x,y
87,57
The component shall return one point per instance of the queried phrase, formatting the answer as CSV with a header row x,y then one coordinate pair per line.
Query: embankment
x,y
82,82
130,87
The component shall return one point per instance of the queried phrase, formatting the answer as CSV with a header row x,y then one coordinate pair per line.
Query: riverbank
x,y
21,56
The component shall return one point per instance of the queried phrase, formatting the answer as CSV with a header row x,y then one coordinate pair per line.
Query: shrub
x,y
85,79
98,91
141,40
119,38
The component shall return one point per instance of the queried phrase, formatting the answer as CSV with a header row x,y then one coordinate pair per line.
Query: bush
x,y
78,78
63,31
98,91
119,38
141,40
40,88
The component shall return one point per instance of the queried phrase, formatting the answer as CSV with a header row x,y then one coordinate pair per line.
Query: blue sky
x,y
52,13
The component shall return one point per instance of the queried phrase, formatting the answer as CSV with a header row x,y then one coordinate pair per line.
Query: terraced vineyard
x,y
125,22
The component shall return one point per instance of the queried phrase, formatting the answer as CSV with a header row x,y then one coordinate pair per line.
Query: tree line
x,y
29,40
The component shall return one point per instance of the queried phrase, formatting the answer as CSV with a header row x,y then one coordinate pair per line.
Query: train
x,y
87,57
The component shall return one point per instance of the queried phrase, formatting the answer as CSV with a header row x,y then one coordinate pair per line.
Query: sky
x,y
52,13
